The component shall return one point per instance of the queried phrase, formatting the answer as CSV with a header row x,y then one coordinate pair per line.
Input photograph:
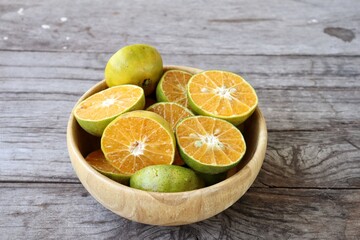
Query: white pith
x,y
225,92
211,141
137,148
108,102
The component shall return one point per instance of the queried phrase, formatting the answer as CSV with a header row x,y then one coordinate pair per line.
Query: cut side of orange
x,y
138,139
209,145
96,112
222,95
97,160
172,113
172,87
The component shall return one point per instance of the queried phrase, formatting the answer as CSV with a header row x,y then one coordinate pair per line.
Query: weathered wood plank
x,y
292,97
52,211
226,27
325,159
284,109
38,90
328,159
261,71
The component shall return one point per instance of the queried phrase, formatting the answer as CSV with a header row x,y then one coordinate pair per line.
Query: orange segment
x,y
223,95
172,87
209,145
138,139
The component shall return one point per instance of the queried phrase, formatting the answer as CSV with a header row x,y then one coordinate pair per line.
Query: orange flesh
x,y
97,160
132,143
171,112
108,103
210,141
174,86
222,93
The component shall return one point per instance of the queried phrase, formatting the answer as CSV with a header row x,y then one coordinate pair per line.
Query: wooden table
x,y
302,57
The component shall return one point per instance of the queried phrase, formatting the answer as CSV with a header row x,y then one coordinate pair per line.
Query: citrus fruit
x,y
173,113
137,64
209,145
223,95
138,139
166,178
97,160
172,87
96,112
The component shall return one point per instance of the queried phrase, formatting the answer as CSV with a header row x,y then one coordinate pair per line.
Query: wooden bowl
x,y
167,209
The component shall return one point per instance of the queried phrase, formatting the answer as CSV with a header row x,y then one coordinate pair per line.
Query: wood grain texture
x,y
43,87
301,56
297,27
51,211
306,98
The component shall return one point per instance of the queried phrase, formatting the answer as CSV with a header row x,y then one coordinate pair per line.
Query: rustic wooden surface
x,y
302,57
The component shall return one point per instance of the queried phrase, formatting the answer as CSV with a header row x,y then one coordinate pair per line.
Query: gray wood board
x,y
296,93
309,104
216,27
53,211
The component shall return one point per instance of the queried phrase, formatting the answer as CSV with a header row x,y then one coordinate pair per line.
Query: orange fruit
x,y
138,64
166,178
172,87
138,139
209,145
223,95
173,113
97,160
96,112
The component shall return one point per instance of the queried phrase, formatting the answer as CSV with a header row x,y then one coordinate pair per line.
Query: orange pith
x,y
132,143
171,112
222,93
97,160
210,141
109,102
174,86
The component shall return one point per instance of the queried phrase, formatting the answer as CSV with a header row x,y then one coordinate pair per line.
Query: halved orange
x,y
173,113
209,145
172,87
138,139
96,112
223,95
97,160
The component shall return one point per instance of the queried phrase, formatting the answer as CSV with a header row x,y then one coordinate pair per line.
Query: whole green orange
x,y
166,178
137,64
